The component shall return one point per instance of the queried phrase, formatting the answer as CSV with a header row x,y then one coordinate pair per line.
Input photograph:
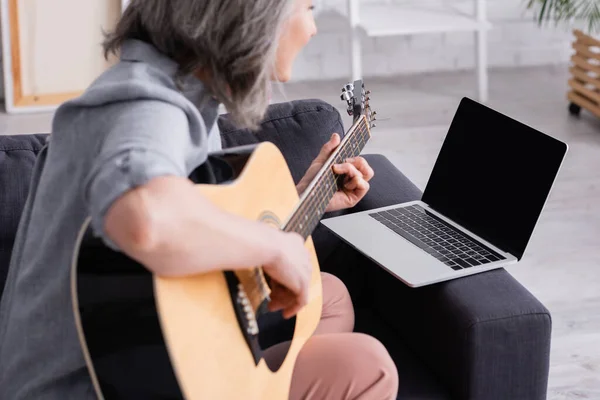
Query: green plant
x,y
567,10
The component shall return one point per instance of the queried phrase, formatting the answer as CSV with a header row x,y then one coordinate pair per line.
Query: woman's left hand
x,y
357,173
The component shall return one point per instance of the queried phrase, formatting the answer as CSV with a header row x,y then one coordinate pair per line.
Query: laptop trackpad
x,y
388,249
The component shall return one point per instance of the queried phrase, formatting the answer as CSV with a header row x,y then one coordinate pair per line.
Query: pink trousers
x,y
337,364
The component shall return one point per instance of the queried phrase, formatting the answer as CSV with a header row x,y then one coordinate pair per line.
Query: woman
x,y
121,153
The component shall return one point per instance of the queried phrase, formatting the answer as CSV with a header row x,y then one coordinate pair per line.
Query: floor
x,y
563,259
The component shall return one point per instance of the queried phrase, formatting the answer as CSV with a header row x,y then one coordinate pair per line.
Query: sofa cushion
x,y
17,157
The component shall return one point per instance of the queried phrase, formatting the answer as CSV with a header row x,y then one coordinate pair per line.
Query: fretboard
x,y
316,197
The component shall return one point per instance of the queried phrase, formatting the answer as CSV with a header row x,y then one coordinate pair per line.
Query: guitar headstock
x,y
358,101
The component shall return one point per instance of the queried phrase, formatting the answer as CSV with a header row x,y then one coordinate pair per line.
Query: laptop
x,y
479,209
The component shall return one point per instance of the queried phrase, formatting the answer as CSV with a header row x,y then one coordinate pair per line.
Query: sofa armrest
x,y
483,336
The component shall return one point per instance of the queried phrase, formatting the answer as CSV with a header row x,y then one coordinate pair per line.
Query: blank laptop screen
x,y
493,176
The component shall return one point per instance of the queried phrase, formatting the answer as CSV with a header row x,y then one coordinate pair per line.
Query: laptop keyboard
x,y
436,237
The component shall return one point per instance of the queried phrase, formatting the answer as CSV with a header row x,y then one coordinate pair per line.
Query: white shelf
x,y
391,20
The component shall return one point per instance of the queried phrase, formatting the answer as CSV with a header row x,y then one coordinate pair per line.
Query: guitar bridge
x,y
245,316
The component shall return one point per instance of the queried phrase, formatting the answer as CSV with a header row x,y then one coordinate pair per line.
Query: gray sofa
x,y
481,337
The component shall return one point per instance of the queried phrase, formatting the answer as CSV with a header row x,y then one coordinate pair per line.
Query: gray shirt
x,y
133,123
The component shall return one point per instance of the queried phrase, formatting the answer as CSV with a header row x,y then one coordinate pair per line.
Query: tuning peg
x,y
346,96
349,87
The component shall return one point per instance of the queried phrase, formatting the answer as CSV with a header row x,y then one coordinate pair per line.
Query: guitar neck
x,y
316,197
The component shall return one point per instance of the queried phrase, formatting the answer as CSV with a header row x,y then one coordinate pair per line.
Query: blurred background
x,y
536,61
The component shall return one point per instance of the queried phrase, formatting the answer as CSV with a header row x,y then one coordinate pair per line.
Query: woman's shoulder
x,y
122,93
141,84
126,90
130,81
141,73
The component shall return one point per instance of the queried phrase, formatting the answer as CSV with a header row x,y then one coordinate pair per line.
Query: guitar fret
x,y
323,199
333,188
311,210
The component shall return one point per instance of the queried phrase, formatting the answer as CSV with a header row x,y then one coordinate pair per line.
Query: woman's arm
x,y
173,230
141,202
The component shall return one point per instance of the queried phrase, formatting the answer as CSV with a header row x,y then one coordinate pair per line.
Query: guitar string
x,y
318,197
363,130
360,134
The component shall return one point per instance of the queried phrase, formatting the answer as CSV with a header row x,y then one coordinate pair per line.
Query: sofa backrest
x,y
17,157
298,128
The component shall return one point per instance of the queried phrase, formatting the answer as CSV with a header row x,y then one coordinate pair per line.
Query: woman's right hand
x,y
171,228
290,273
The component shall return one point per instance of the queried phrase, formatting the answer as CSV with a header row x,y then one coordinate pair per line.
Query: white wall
x,y
61,52
514,40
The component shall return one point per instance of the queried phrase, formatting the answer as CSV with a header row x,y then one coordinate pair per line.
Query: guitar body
x,y
203,336
149,337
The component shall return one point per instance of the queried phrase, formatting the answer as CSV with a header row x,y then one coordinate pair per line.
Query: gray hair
x,y
234,40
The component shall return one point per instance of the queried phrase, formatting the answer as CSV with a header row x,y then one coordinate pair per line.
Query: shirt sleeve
x,y
143,140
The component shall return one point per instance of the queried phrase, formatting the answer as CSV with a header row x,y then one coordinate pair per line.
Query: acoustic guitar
x,y
201,337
